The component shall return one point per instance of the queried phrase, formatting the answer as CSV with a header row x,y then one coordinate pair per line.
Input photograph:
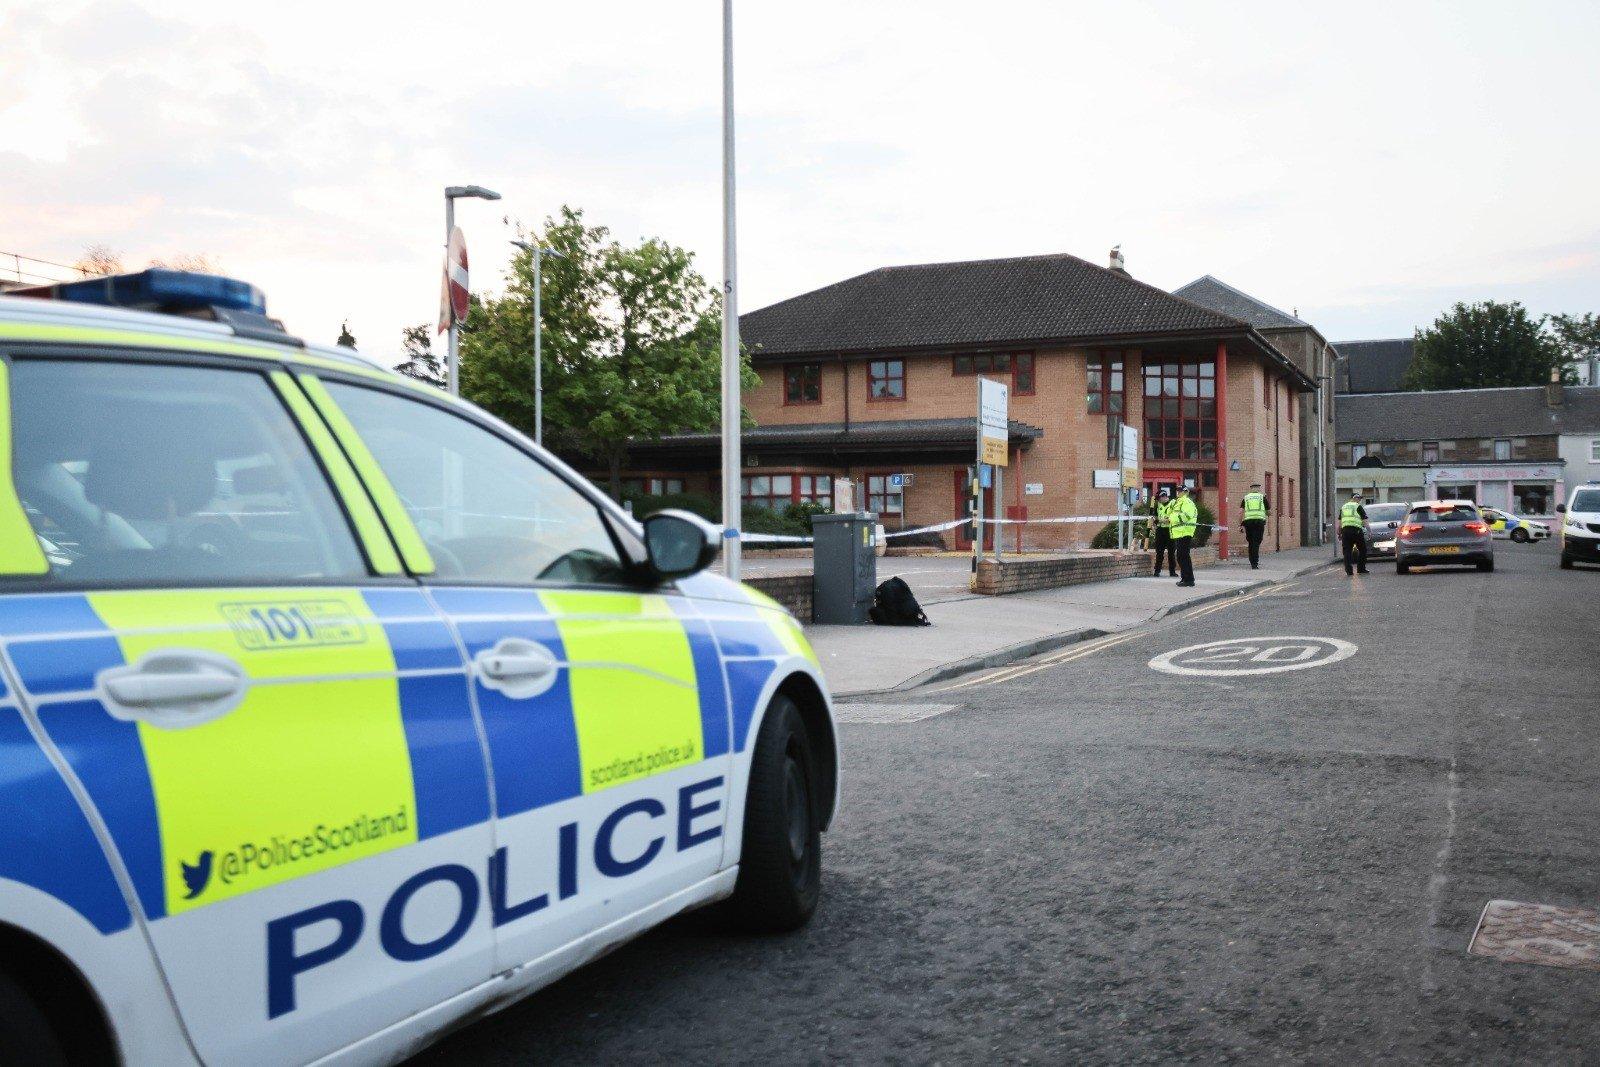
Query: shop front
x,y
1383,485
1531,489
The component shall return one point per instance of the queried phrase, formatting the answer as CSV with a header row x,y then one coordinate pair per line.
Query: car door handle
x,y
173,688
517,667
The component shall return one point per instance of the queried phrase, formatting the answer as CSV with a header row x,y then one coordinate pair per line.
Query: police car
x,y
1505,525
333,712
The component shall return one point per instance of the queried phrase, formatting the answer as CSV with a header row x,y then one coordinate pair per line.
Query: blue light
x,y
158,289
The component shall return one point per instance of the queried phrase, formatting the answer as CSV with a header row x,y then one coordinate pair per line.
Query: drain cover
x,y
1538,933
889,713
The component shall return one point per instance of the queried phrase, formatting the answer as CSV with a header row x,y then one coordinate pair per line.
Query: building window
x,y
1430,451
1531,498
1502,450
886,379
1180,408
1292,502
1289,400
1594,450
1266,389
1105,384
883,498
802,383
777,491
1022,374
1208,479
653,486
1357,453
1019,365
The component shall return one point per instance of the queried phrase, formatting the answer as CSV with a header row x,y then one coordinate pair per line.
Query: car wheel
x,y
780,866
1566,563
1486,564
25,1033
1402,567
1519,536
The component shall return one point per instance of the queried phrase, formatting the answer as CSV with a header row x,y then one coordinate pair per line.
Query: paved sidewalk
x,y
984,631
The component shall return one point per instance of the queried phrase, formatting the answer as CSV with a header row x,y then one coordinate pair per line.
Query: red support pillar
x,y
1224,516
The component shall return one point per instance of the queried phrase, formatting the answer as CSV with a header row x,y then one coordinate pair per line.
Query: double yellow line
x,y
1008,673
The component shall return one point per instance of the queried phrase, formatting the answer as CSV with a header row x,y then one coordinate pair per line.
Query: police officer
x,y
1185,518
1161,519
1353,533
1256,507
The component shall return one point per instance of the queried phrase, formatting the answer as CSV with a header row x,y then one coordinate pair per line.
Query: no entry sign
x,y
453,297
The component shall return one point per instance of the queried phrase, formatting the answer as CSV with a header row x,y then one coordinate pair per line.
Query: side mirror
x,y
1561,509
680,543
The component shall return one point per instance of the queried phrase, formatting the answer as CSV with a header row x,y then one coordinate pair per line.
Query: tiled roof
x,y
1218,295
1458,413
1024,300
1375,366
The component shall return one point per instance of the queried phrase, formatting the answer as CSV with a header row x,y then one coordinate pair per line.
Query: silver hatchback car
x,y
1382,522
1443,532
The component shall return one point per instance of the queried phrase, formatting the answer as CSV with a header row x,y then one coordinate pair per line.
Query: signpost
x,y
994,451
1130,481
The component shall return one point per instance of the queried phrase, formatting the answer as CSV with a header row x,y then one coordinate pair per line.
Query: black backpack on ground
x,y
894,605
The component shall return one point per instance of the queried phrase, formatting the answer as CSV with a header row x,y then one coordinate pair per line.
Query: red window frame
x,y
1180,410
654,484
1021,366
883,491
1105,381
790,370
894,370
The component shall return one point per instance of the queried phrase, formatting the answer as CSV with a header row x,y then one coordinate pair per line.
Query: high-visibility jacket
x,y
1185,516
1350,514
1255,506
1163,514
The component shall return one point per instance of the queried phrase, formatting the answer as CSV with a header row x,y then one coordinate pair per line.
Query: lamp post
x,y
538,252
732,458
452,193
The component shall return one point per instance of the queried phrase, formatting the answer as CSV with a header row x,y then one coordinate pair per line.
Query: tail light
x,y
1409,529
1478,527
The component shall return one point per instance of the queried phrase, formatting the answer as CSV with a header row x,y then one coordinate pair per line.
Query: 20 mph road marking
x,y
1253,655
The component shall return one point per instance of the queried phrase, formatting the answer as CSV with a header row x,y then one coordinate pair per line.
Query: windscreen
x,y
1385,512
1586,500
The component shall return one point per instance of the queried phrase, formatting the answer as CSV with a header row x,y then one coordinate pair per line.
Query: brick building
x,y
1305,346
876,375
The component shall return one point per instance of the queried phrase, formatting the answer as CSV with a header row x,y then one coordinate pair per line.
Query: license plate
x,y
1444,550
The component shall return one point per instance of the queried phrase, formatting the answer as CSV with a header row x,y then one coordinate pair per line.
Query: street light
x,y
538,252
732,409
452,193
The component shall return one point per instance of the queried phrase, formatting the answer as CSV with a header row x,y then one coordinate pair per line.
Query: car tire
x,y
1402,567
1486,565
1566,562
780,864
25,1032
1519,536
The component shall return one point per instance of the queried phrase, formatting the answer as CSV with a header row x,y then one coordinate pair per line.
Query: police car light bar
x,y
157,289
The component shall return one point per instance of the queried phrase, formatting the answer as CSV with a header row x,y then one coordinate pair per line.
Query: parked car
x,y
290,776
1382,521
1505,525
1580,526
1443,532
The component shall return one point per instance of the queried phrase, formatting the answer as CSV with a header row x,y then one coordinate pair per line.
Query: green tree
x,y
421,362
631,344
1579,338
1483,345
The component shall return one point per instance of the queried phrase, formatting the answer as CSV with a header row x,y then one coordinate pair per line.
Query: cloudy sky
x,y
1367,164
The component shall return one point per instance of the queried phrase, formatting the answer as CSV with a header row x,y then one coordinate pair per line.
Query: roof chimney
x,y
1118,264
1555,393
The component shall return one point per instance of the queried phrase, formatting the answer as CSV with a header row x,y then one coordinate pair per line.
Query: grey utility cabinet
x,y
844,572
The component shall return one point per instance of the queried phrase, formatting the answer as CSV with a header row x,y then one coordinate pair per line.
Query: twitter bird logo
x,y
198,875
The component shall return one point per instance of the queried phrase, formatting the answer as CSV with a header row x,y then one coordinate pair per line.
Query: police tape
x,y
792,539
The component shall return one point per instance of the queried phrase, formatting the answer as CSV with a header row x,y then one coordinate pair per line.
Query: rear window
x,y
1385,512
1585,500
1446,513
